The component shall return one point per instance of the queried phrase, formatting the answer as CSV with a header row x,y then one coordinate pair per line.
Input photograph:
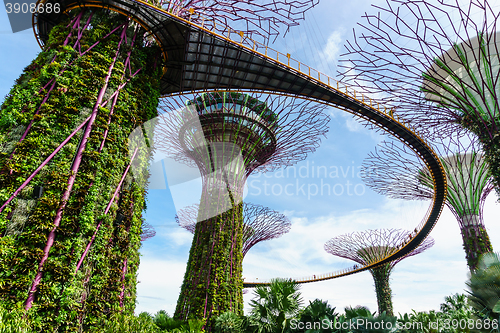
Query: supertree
x,y
395,171
259,223
71,209
436,63
371,246
227,136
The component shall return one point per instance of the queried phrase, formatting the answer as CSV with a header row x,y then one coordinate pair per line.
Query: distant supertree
x,y
147,231
371,246
259,223
395,171
227,136
437,63
264,19
70,214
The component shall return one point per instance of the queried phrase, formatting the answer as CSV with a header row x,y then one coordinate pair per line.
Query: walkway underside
x,y
199,59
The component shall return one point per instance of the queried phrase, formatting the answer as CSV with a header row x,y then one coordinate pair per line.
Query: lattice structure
x,y
259,223
296,126
436,63
227,136
371,246
256,19
395,171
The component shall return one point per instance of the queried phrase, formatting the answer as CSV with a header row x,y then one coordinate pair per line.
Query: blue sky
x,y
420,282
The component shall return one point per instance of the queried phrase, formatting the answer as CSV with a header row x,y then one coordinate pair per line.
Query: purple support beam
x,y
53,84
106,211
117,92
74,171
75,25
80,34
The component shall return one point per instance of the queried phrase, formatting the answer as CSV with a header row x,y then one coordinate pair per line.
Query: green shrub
x,y
128,324
365,322
317,312
484,294
228,322
276,305
165,322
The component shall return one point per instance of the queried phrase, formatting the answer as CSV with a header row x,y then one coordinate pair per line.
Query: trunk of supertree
x,y
475,240
382,288
213,281
114,269
93,72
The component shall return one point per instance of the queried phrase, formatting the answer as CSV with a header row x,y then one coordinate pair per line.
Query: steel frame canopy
x,y
199,59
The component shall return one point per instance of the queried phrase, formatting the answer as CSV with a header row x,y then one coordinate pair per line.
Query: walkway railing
x,y
286,60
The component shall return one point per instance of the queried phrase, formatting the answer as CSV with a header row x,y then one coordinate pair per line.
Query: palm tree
x,y
455,303
275,305
484,285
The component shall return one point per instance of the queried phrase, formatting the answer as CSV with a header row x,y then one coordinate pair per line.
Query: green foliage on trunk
x,y
65,300
381,277
476,242
213,281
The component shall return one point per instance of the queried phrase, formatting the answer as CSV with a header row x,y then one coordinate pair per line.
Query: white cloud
x,y
330,53
420,282
178,236
159,286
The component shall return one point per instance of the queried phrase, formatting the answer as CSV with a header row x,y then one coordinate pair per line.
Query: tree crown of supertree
x,y
366,247
256,18
397,172
285,131
436,62
259,223
147,231
239,103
